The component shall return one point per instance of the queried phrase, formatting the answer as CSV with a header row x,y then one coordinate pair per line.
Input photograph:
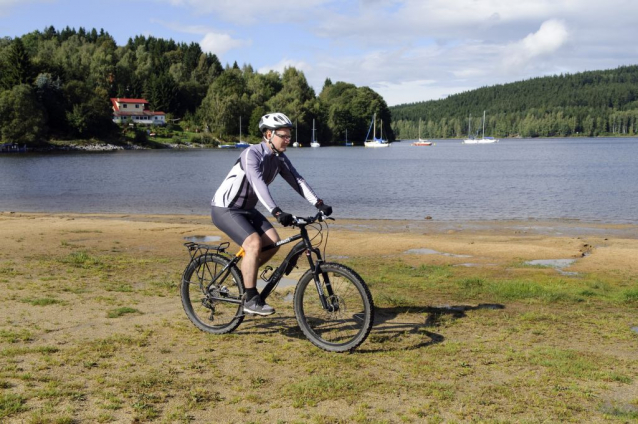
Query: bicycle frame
x,y
284,268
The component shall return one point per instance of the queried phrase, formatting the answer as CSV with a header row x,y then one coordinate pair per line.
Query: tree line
x,y
58,84
594,103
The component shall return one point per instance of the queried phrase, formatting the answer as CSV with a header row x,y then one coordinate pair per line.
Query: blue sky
x,y
407,50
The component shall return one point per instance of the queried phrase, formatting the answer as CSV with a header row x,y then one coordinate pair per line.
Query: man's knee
x,y
252,244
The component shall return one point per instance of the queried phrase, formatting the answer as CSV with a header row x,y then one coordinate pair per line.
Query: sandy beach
x,y
594,246
64,277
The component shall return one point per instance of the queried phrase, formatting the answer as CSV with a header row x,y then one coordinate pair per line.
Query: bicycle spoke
x,y
204,290
348,318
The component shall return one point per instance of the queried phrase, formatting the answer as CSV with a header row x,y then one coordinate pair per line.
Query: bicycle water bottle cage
x,y
263,275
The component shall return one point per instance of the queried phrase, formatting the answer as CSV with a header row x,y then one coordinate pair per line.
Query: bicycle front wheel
x,y
347,320
211,296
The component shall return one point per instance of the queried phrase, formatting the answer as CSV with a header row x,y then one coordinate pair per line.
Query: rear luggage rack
x,y
197,249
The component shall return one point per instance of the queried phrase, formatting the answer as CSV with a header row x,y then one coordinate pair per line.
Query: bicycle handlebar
x,y
298,221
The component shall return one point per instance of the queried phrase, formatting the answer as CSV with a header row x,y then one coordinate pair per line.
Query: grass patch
x,y
119,287
12,336
43,301
45,350
9,269
537,289
116,313
11,404
630,295
81,259
315,389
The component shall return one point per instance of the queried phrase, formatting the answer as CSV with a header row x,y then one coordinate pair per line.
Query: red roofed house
x,y
137,110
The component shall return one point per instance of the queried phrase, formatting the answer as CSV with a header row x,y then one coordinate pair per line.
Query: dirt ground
x,y
148,254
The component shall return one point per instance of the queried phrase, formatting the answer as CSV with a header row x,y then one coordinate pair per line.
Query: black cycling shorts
x,y
238,224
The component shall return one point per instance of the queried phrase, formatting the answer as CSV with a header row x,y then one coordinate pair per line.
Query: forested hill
x,y
593,103
57,84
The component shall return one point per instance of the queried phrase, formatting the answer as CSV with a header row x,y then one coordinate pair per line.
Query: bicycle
x,y
332,304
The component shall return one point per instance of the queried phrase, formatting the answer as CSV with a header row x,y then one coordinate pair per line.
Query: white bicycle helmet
x,y
274,121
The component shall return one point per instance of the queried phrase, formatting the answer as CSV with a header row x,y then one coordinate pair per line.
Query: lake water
x,y
593,180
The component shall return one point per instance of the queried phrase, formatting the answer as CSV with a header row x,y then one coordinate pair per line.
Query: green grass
x,y
11,404
557,349
116,313
13,336
314,389
81,259
43,301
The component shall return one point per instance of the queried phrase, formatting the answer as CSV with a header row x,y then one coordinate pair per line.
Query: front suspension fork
x,y
332,306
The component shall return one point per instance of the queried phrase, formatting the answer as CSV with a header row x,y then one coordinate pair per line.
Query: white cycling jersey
x,y
247,182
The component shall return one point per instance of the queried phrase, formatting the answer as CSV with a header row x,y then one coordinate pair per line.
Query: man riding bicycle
x,y
233,206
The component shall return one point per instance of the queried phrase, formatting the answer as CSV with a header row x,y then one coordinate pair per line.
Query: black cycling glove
x,y
283,218
327,210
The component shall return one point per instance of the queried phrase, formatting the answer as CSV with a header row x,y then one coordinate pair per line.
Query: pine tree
x,y
18,68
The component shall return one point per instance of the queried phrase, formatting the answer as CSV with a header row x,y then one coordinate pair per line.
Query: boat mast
x,y
483,124
313,131
374,126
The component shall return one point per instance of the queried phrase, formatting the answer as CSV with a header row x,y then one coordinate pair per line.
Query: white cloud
x,y
550,37
220,43
213,41
286,63
404,92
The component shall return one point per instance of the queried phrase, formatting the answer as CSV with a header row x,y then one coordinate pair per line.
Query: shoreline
x,y
558,226
94,145
593,247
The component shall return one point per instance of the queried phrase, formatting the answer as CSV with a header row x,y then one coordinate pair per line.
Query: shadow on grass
x,y
391,325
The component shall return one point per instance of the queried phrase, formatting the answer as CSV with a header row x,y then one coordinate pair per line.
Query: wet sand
x,y
594,247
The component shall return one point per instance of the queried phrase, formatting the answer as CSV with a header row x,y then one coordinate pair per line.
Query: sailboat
x,y
313,142
483,140
296,143
375,142
242,144
421,141
348,143
470,138
239,145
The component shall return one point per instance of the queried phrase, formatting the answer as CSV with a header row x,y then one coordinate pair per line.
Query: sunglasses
x,y
284,136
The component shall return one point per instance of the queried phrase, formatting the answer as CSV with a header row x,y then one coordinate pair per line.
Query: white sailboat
x,y
296,143
348,143
483,140
375,142
313,142
242,144
421,141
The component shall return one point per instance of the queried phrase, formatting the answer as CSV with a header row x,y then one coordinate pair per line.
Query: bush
x,y
140,136
208,139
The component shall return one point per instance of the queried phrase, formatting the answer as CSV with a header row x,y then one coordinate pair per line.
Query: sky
x,y
406,50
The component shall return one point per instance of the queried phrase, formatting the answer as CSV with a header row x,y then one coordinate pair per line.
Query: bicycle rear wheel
x,y
213,307
350,315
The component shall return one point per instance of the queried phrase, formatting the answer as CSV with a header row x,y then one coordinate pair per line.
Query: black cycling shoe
x,y
257,306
